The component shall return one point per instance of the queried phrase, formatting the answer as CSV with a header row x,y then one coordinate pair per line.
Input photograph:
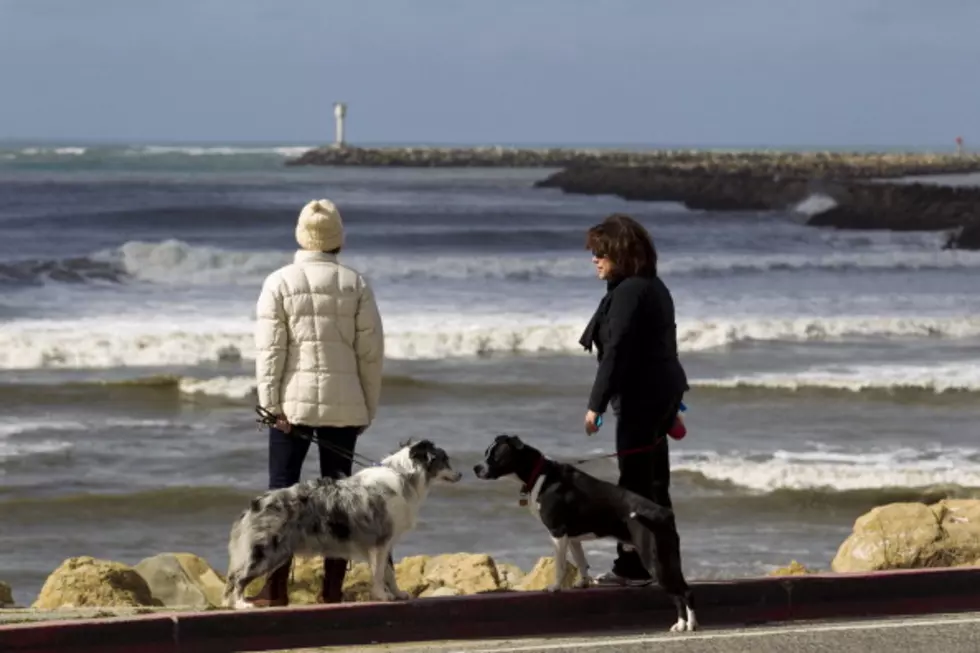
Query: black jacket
x,y
636,340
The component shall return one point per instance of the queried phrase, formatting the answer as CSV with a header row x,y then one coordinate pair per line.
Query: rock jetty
x,y
860,204
762,163
857,203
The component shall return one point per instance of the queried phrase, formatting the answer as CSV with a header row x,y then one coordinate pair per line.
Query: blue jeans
x,y
287,452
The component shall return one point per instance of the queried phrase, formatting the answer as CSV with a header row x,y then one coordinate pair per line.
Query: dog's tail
x,y
651,516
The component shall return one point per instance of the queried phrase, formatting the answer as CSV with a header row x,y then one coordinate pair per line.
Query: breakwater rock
x,y
184,580
824,164
913,536
860,203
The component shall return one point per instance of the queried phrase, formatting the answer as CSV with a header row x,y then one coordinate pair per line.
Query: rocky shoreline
x,y
893,536
762,163
860,203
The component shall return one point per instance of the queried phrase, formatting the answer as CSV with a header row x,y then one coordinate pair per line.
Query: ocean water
x,y
830,371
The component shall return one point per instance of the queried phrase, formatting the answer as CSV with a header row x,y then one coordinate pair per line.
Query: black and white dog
x,y
359,517
576,507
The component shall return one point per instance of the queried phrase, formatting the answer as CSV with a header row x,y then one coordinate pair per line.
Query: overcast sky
x,y
687,72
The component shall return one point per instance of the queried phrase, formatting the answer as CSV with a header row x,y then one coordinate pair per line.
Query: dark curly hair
x,y
626,243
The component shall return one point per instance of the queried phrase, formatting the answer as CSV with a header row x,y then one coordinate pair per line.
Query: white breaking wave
x,y
814,204
10,447
176,262
20,428
711,334
949,377
816,470
964,377
283,151
230,387
60,151
152,342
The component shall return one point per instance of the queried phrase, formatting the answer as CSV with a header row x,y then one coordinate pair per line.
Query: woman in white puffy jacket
x,y
319,355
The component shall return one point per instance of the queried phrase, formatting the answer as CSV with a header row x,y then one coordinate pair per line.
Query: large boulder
x,y
409,574
470,573
543,575
182,580
794,568
89,582
912,536
510,575
451,574
6,595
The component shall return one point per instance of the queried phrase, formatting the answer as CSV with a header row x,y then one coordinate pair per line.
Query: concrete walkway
x,y
945,633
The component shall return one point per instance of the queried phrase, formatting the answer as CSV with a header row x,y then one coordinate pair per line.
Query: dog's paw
x,y
554,587
242,604
399,595
583,582
381,595
683,626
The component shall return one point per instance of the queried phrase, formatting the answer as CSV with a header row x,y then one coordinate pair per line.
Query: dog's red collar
x,y
535,473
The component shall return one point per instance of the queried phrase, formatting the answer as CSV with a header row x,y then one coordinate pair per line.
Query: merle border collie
x,y
359,517
576,507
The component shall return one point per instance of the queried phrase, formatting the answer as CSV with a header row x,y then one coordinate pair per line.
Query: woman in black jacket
x,y
639,374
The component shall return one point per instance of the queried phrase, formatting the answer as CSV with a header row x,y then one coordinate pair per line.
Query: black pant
x,y
640,424
287,452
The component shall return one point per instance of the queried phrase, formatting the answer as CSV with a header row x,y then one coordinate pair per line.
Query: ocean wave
x,y
829,471
34,153
102,344
137,505
176,262
51,151
937,378
12,445
784,481
285,151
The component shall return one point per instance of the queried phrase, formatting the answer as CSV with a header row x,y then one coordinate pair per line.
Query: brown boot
x,y
334,572
275,592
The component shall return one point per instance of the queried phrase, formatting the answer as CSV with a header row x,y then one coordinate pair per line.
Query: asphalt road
x,y
931,634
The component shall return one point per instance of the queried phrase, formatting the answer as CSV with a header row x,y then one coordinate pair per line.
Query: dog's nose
x,y
479,470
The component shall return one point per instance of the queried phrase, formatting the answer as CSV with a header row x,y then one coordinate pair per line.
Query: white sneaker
x,y
611,578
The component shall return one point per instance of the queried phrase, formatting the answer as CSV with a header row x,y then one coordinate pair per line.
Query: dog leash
x,y
621,453
268,419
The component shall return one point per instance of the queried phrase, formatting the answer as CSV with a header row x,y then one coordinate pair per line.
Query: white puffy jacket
x,y
319,343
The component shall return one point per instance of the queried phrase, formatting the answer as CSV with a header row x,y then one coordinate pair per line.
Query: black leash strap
x,y
268,419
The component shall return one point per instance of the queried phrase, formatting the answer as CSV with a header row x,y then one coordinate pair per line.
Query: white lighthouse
x,y
339,113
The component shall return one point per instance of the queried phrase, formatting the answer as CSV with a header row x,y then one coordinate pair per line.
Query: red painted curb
x,y
146,634
726,603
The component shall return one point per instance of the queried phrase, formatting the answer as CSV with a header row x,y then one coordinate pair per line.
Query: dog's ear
x,y
423,451
512,440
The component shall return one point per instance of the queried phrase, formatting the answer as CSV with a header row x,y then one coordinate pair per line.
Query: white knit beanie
x,y
319,228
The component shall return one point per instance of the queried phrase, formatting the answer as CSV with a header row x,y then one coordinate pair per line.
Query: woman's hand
x,y
283,424
590,422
